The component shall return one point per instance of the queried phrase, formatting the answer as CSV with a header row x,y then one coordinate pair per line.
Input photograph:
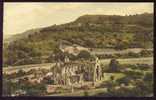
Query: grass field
x,y
82,92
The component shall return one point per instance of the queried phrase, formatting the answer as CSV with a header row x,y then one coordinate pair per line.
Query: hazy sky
x,y
19,17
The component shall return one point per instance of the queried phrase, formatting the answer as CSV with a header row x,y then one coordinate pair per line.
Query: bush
x,y
148,77
121,46
50,59
48,80
132,54
20,73
85,93
9,87
144,88
35,90
84,55
143,66
114,65
28,61
58,55
125,80
6,87
134,74
132,66
146,53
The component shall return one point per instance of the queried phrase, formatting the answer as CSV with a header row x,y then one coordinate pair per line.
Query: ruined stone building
x,y
72,49
71,72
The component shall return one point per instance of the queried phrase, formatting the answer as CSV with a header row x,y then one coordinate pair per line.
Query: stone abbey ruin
x,y
71,72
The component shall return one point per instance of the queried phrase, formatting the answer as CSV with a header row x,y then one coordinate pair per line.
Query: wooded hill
x,y
92,31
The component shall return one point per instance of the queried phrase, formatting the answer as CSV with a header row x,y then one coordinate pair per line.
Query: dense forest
x,y
92,31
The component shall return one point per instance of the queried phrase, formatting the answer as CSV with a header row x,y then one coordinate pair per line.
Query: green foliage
x,y
135,55
48,80
93,31
144,85
142,67
84,55
146,53
134,74
120,46
140,88
125,80
35,90
113,66
6,88
20,73
148,77
85,93
143,53
9,87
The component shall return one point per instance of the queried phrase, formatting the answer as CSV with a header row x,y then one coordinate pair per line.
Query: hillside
x,y
92,31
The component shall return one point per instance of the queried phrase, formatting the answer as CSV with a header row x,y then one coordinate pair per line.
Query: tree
x,y
85,93
20,73
125,80
35,90
6,87
84,54
58,54
114,65
9,87
132,54
148,77
48,80
120,45
146,53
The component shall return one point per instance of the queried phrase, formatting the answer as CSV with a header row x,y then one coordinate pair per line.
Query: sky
x,y
19,17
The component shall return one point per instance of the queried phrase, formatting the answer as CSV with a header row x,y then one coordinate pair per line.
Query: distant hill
x,y
92,31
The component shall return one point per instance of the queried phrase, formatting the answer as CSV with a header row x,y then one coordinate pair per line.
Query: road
x,y
12,69
112,51
143,60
